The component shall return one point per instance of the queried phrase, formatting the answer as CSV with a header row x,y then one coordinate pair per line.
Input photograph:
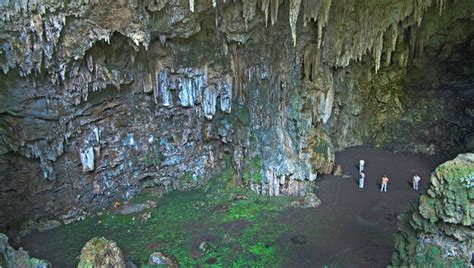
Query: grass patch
x,y
180,222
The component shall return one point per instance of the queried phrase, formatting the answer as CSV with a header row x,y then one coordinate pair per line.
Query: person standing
x,y
416,180
385,181
361,180
361,165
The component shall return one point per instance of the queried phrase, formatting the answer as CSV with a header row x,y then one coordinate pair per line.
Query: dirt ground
x,y
357,225
352,227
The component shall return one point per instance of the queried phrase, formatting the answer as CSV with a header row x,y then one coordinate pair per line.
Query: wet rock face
x,y
439,229
100,99
9,257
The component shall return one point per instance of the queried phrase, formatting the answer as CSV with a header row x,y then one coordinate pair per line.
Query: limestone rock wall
x,y
100,99
438,230
9,257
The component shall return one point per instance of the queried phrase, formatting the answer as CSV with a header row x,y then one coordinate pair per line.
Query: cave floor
x,y
352,228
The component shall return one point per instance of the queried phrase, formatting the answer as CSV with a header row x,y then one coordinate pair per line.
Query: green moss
x,y
444,209
188,177
252,173
240,114
180,222
153,156
432,256
321,148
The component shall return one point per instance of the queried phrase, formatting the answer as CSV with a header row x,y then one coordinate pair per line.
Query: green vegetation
x,y
187,177
240,114
432,256
442,211
321,148
153,156
234,221
252,173
100,252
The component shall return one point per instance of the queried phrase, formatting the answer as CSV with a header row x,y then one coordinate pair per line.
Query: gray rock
x,y
44,226
311,201
18,258
158,258
101,252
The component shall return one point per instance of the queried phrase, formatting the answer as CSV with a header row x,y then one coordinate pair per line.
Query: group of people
x,y
385,180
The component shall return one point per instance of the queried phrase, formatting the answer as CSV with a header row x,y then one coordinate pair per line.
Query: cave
x,y
229,133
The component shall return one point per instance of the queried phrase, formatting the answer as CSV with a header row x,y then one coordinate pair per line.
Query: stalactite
x,y
393,35
377,50
148,82
265,6
191,5
311,61
311,10
274,5
326,6
293,17
235,66
419,46
87,159
226,94
209,101
441,6
161,88
249,9
90,63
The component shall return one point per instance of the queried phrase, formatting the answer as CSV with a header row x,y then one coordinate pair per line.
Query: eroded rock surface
x,y
439,229
100,99
100,252
9,257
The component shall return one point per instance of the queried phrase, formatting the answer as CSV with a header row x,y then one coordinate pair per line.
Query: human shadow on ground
x,y
379,185
356,180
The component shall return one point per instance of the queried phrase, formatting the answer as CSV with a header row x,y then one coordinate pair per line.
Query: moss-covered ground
x,y
239,226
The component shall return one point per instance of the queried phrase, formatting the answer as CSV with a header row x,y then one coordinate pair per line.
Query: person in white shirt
x,y
416,180
361,180
361,165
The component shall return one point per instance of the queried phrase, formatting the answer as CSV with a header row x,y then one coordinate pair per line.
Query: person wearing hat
x,y
361,165
416,180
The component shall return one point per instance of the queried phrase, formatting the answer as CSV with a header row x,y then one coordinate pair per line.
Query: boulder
x,y
310,200
159,258
101,252
338,170
18,258
438,231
